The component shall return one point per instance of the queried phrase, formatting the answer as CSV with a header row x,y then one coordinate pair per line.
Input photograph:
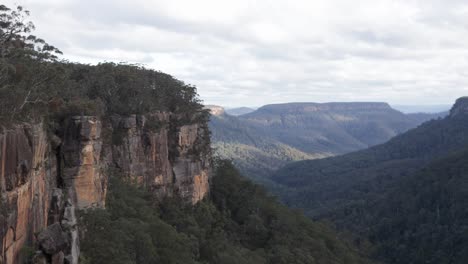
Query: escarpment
x,y
162,155
49,172
67,128
26,178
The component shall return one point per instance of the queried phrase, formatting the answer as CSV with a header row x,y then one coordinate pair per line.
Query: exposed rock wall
x,y
44,178
169,160
83,168
26,176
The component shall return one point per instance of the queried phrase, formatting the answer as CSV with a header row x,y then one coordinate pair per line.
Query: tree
x,y
15,37
25,62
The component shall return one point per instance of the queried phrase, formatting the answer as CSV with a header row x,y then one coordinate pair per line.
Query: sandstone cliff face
x,y
167,160
83,168
26,174
45,178
215,110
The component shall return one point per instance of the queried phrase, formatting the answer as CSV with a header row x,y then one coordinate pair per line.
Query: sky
x,y
256,52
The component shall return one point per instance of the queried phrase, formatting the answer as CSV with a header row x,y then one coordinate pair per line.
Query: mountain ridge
x,y
237,111
312,106
305,131
360,191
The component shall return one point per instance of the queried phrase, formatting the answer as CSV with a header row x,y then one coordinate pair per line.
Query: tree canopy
x,y
36,84
239,223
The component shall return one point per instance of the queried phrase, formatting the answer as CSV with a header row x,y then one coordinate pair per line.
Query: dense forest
x,y
238,223
406,196
424,219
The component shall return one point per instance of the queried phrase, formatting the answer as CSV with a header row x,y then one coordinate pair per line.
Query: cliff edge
x,y
45,178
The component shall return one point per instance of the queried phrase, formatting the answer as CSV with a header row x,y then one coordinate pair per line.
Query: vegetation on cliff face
x,y
239,223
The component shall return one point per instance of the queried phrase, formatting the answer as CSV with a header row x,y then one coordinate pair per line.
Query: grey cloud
x,y
332,54
386,38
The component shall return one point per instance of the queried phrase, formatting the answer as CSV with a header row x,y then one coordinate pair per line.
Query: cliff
x,y
47,176
215,110
173,160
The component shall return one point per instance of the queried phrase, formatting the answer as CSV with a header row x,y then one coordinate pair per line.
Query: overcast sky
x,y
255,52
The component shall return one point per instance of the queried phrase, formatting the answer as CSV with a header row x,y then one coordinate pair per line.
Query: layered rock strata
x,y
46,177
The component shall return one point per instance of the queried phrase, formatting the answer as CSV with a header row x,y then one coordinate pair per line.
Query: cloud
x,y
257,52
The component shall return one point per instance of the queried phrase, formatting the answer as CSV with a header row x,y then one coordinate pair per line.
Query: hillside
x,y
406,191
274,135
239,111
331,127
253,151
428,208
423,117
437,108
238,224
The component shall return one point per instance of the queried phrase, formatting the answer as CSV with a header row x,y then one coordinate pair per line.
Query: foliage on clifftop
x,y
35,84
239,224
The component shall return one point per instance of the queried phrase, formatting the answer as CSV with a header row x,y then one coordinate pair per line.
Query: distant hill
x,y
422,117
331,127
408,109
407,196
253,150
274,135
239,111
